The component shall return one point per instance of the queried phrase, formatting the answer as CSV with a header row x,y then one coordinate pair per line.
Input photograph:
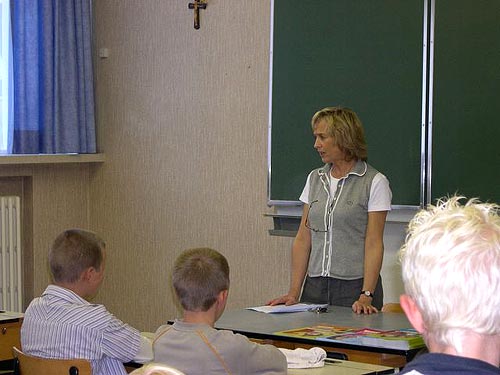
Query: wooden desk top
x,y
338,367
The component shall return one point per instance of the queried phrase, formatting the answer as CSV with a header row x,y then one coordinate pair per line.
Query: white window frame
x,y
4,73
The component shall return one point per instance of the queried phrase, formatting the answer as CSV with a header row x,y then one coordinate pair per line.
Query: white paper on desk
x,y
298,307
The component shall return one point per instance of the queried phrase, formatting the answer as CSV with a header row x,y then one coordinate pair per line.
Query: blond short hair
x,y
346,128
451,268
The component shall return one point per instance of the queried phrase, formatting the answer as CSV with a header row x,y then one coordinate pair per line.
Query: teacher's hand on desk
x,y
287,300
363,306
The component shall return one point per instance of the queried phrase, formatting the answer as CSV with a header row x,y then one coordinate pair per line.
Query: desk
x,y
262,326
10,333
339,367
336,367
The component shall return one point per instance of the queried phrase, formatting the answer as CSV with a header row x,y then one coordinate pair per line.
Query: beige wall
x,y
54,197
182,119
183,122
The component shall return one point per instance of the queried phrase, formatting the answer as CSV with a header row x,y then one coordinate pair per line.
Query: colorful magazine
x,y
395,339
403,339
317,332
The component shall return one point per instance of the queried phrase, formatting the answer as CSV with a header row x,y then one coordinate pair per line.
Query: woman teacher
x,y
337,253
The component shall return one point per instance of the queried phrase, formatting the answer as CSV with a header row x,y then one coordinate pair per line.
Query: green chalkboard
x,y
363,54
466,125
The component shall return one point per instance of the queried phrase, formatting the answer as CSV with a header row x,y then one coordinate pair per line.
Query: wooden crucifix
x,y
196,6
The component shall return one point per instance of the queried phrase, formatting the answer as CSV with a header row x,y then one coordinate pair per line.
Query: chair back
x,y
392,307
156,369
29,365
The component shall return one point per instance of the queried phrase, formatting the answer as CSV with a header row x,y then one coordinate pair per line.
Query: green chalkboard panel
x,y
363,54
466,124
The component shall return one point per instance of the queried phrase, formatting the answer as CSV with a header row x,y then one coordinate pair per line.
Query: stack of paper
x,y
291,308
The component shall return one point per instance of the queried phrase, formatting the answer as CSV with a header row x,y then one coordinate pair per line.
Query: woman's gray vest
x,y
339,252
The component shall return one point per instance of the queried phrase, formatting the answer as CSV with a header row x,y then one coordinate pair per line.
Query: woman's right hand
x,y
287,299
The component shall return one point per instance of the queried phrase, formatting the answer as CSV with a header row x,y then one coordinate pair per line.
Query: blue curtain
x,y
53,77
7,146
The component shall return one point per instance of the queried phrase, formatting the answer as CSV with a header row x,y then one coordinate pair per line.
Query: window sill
x,y
51,159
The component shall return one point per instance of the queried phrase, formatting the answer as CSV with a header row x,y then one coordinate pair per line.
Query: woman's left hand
x,y
364,307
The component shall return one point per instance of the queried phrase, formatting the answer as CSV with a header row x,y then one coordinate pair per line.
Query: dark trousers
x,y
338,292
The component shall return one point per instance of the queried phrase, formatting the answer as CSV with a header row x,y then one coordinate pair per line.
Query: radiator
x,y
10,254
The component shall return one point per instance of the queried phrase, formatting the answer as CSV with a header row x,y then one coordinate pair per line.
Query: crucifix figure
x,y
197,5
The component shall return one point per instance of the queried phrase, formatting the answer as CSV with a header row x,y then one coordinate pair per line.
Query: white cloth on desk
x,y
304,358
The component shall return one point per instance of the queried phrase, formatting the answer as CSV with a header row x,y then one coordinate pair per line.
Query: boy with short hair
x,y
192,345
61,323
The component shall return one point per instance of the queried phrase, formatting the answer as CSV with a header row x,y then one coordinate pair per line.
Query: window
x,y
4,73
51,116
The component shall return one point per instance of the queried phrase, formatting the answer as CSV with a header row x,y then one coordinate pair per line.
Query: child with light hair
x,y
451,274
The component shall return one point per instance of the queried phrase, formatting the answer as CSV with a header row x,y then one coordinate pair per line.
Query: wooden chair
x,y
156,369
29,365
392,307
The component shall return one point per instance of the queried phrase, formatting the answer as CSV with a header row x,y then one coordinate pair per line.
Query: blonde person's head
x,y
156,369
347,130
451,269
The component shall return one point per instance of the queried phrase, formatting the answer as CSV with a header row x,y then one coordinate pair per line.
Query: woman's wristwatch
x,y
367,293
